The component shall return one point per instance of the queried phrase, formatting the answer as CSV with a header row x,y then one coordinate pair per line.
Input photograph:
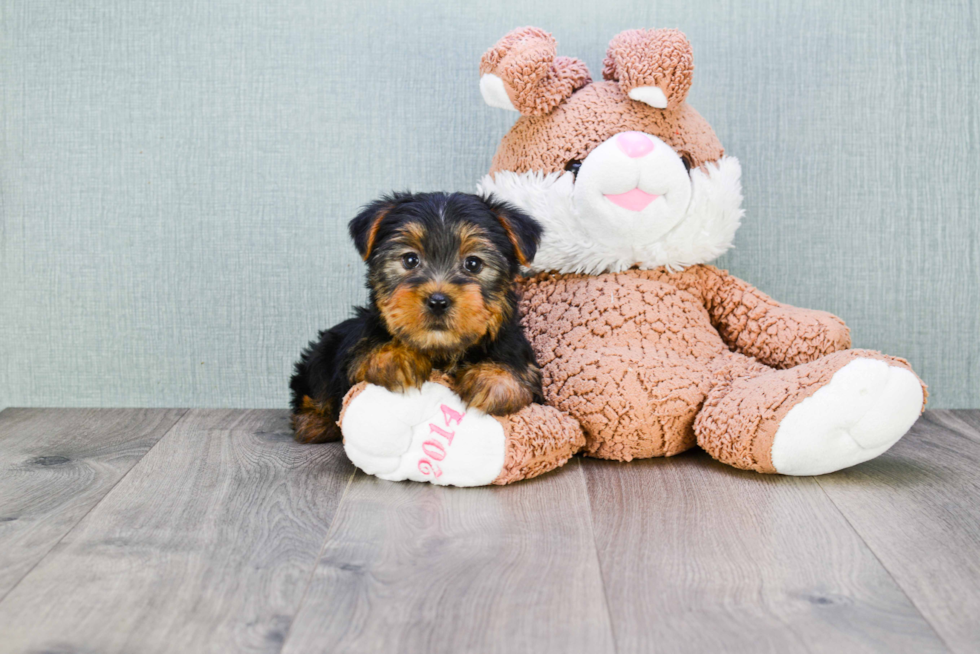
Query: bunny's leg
x,y
831,413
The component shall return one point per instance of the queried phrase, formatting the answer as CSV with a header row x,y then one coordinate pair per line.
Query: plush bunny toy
x,y
645,350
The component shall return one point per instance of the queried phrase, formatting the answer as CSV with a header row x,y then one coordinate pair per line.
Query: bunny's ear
x,y
522,73
651,66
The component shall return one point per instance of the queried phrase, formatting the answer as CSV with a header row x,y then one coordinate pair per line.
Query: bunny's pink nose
x,y
634,144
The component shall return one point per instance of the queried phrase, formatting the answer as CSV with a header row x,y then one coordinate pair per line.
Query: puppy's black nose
x,y
438,303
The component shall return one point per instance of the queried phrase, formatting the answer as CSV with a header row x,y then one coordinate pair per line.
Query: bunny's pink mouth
x,y
635,200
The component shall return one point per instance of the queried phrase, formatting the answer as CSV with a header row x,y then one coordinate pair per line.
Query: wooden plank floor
x,y
210,531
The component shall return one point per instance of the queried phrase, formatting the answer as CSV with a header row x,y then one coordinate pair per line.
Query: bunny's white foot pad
x,y
422,435
864,410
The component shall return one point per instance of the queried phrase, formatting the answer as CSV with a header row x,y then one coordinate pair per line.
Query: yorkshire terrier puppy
x,y
441,275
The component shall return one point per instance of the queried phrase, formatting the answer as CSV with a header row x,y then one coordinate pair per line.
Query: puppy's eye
x,y
573,166
410,260
473,264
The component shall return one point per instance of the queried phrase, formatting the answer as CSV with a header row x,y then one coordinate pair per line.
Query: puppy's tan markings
x,y
392,365
512,236
496,389
472,240
373,233
412,235
313,423
473,316
403,310
470,317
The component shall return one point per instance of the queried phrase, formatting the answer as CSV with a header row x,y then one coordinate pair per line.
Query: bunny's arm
x,y
750,322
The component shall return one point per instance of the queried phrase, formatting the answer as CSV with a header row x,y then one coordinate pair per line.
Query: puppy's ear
x,y
523,231
365,225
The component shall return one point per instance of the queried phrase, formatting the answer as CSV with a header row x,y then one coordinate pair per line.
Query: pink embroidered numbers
x,y
434,447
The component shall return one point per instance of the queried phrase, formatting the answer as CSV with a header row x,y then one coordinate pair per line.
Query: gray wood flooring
x,y
141,530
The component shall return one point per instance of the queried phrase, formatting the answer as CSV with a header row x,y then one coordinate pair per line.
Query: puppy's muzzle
x,y
438,304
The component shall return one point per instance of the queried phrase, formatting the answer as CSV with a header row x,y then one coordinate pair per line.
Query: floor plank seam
x,y
966,430
885,567
316,562
92,508
595,550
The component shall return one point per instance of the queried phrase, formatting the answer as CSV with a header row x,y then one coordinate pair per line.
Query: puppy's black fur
x,y
441,273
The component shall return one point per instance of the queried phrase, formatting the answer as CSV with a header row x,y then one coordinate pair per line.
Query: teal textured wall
x,y
175,177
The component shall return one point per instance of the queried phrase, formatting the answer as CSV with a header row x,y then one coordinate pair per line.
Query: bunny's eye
x,y
573,166
686,158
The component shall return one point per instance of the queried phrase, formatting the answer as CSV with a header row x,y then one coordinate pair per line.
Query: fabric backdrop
x,y
177,176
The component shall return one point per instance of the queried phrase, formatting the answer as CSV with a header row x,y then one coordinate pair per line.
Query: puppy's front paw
x,y
496,389
394,367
